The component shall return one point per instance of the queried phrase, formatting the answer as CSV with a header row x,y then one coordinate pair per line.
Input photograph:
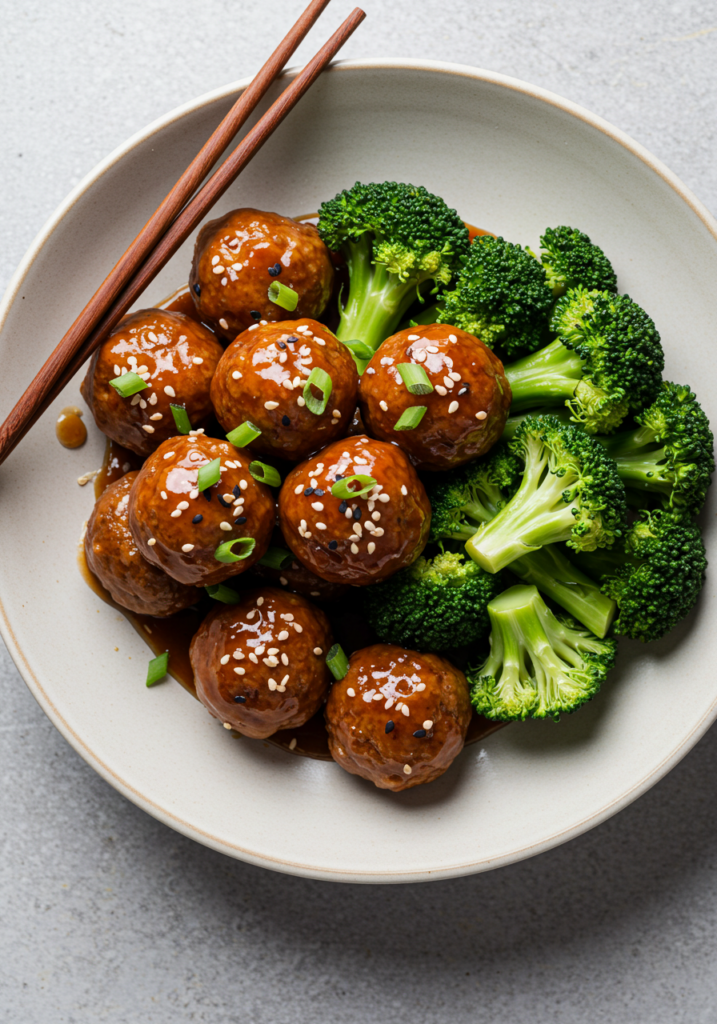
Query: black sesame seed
x,y
308,491
255,313
225,504
342,507
282,344
357,513
239,699
197,289
419,733
275,270
338,477
286,421
240,520
207,494
333,544
197,519
292,339
236,490
390,726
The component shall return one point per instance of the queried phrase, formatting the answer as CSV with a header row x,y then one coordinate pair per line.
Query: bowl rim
x,y
35,685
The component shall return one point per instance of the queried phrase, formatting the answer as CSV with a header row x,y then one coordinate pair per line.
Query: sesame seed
x,y
224,660
453,407
441,390
243,485
384,497
219,269
454,376
376,516
370,526
168,455
370,369
320,526
297,627
292,745
271,405
142,404
389,704
229,498
300,402
238,655
318,651
371,547
354,549
351,692
419,733
390,726
227,725
318,506
271,661
272,684
383,405
421,686
298,489
259,602
236,375
431,348
251,614
285,421
194,493
148,428
282,579
319,341
404,490
284,659
414,337
152,398
223,324
357,529
225,525
333,544
240,699
287,384
239,670
152,336
404,710
183,505
285,680
378,532
186,548
407,769
287,616
215,260
378,696
117,370
176,514
151,542
348,513
284,635
253,327
164,494
428,724
448,382
481,415
136,399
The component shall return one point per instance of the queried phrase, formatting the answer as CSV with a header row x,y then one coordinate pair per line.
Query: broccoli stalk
x,y
569,491
606,361
398,242
539,666
570,259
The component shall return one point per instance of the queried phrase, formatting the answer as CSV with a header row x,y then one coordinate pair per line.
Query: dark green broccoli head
x,y
621,354
463,498
539,666
661,578
570,491
500,296
434,604
570,259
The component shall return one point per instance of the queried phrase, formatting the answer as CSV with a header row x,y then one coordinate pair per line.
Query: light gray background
x,y
108,915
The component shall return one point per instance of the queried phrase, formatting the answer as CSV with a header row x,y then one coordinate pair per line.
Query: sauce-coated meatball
x,y
174,354
360,539
180,529
238,256
465,413
398,718
261,378
112,555
260,665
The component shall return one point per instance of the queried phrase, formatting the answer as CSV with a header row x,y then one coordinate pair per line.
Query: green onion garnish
x,y
359,349
410,418
224,594
321,380
265,474
209,474
243,435
181,419
337,661
283,296
277,558
224,552
341,488
413,323
415,378
157,668
128,384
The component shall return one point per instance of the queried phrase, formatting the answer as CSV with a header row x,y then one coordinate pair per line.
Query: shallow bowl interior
x,y
512,159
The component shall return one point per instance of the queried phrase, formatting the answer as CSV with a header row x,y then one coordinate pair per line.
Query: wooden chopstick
x,y
145,257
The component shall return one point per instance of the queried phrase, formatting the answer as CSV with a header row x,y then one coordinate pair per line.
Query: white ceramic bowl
x,y
511,158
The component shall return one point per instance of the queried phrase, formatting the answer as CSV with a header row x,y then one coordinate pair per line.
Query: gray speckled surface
x,y
108,915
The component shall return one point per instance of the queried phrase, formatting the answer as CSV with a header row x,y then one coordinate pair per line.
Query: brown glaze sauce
x,y
116,462
69,428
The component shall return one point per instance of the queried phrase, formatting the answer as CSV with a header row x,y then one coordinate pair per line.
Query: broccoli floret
x,y
570,259
569,491
500,296
463,499
399,241
671,453
606,361
655,576
539,666
434,604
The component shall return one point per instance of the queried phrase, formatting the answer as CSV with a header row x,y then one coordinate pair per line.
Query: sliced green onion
x,y
341,488
337,661
415,378
359,349
413,323
277,558
209,474
181,419
224,594
410,418
281,295
321,380
243,435
128,384
224,552
157,668
265,474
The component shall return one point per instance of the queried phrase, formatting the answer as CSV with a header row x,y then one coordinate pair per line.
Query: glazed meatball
x,y
180,529
113,556
355,540
175,355
260,665
398,718
466,411
238,256
261,378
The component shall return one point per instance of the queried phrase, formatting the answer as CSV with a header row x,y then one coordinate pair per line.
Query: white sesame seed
x,y
194,494
117,370
371,547
224,660
431,348
292,744
284,635
176,514
251,614
428,724
453,407
297,627
272,651
317,506
243,485
144,376
227,725
223,324
298,489
284,658
404,710
420,357
183,505
348,514
296,382
384,497
441,390
407,769
453,338
354,549
351,692
282,579
404,490
225,526
136,399
378,696
219,269
285,680
319,341
168,455
148,428
152,336
169,390
313,482
370,369
383,405
142,368
375,515
228,498
414,337
259,602
379,531
287,616
186,548
238,655
215,260
142,404
357,530
152,398
253,658
271,661
421,686
388,705
448,382
481,415
320,526
151,542
453,375
318,651
287,384
236,375
336,412
239,670
253,327
369,526
272,684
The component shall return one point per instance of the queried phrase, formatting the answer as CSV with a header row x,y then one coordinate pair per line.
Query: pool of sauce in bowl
x,y
70,431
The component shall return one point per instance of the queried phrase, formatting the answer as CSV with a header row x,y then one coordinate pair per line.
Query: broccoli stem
x,y
644,472
547,377
556,576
